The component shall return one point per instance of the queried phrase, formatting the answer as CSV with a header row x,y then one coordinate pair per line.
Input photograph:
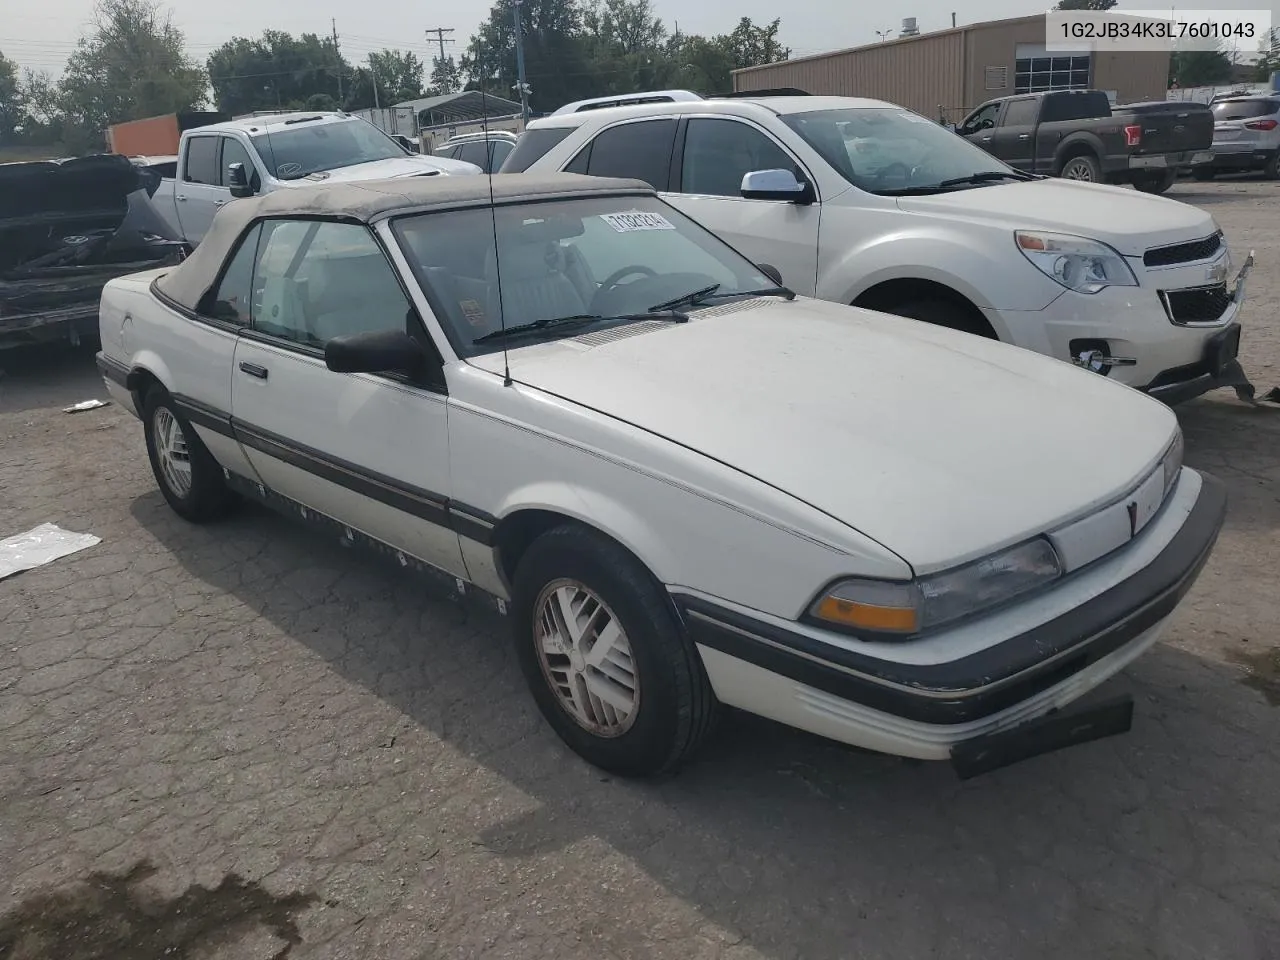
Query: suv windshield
x,y
602,261
1245,109
888,150
322,145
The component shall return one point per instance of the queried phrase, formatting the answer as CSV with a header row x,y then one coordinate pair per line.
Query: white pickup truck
x,y
260,154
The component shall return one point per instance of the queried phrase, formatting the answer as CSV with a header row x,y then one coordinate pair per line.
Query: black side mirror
x,y
238,180
770,271
382,351
777,185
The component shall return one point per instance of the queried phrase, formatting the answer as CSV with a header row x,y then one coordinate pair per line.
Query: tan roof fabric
x,y
368,201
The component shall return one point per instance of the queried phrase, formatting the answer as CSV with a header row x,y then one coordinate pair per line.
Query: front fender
x,y
979,263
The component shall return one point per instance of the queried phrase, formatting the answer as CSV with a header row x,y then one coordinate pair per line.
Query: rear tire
x,y
1203,173
1083,167
1156,183
1272,170
658,705
185,470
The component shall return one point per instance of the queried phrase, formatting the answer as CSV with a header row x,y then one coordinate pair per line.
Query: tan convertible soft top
x,y
368,201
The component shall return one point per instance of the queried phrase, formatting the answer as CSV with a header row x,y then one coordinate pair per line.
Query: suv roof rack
x,y
774,92
626,99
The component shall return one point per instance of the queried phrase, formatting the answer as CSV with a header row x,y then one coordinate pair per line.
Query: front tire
x,y
1203,174
609,666
940,313
1156,183
185,470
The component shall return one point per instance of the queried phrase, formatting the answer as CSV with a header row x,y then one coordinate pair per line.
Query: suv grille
x,y
1198,305
1183,252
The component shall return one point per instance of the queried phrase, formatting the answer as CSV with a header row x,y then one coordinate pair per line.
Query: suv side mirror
x,y
381,351
776,185
239,180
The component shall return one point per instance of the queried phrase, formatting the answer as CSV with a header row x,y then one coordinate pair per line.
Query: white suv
x,y
864,202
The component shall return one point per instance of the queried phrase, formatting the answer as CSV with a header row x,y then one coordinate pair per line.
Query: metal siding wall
x,y
1136,76
918,74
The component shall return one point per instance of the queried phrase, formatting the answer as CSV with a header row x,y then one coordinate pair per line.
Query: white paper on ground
x,y
84,405
40,545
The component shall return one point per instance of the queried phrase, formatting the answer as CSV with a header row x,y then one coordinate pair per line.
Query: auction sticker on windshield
x,y
637,220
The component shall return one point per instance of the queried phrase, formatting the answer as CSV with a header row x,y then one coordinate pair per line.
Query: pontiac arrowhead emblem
x,y
1133,518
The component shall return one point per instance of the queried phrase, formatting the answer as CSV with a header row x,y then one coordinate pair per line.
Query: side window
x,y
533,146
983,118
719,153
635,151
579,163
233,151
316,280
476,152
499,151
1021,113
202,161
232,299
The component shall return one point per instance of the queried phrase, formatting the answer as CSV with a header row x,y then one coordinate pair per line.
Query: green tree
x,y
556,65
1085,4
1199,68
12,103
280,71
1269,62
399,75
446,76
132,65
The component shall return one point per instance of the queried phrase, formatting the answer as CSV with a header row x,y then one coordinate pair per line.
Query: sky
x,y
41,35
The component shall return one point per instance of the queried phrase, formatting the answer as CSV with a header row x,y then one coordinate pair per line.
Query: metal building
x,y
945,73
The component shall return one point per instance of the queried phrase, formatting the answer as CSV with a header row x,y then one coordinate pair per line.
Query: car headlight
x,y
1078,263
905,609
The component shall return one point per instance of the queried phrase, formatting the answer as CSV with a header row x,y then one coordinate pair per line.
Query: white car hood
x,y
1125,219
939,445
394,167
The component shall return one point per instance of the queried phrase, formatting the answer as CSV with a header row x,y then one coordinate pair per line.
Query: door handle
x,y
986,138
218,203
253,370
181,198
1024,136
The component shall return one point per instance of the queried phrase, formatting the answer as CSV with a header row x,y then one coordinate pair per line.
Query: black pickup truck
x,y
1079,135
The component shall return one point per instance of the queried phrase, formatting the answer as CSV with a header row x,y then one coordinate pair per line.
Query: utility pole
x,y
439,33
521,85
373,76
338,55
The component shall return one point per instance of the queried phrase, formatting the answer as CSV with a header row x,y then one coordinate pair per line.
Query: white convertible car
x,y
686,486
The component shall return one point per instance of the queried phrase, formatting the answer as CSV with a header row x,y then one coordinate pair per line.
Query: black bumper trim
x,y
990,680
113,370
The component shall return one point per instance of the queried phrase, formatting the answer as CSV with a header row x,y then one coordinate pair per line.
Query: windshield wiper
x,y
574,320
685,300
973,179
987,177
709,293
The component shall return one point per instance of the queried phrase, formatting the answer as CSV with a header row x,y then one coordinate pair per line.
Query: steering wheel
x,y
894,171
612,280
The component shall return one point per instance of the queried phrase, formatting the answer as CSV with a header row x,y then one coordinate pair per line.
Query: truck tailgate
x,y
1170,126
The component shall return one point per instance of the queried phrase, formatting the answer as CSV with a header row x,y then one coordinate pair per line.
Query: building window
x,y
1036,74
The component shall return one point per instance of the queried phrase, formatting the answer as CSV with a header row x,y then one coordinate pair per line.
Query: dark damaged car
x,y
66,228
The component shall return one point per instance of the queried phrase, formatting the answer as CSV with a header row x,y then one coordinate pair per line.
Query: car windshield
x,y
598,260
889,150
311,147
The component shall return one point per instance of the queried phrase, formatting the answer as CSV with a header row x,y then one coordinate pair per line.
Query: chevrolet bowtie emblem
x,y
1133,518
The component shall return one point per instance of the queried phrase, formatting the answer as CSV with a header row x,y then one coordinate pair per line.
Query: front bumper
x,y
926,710
1145,337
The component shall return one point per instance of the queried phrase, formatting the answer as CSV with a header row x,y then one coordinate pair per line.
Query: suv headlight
x,y
1078,263
906,609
